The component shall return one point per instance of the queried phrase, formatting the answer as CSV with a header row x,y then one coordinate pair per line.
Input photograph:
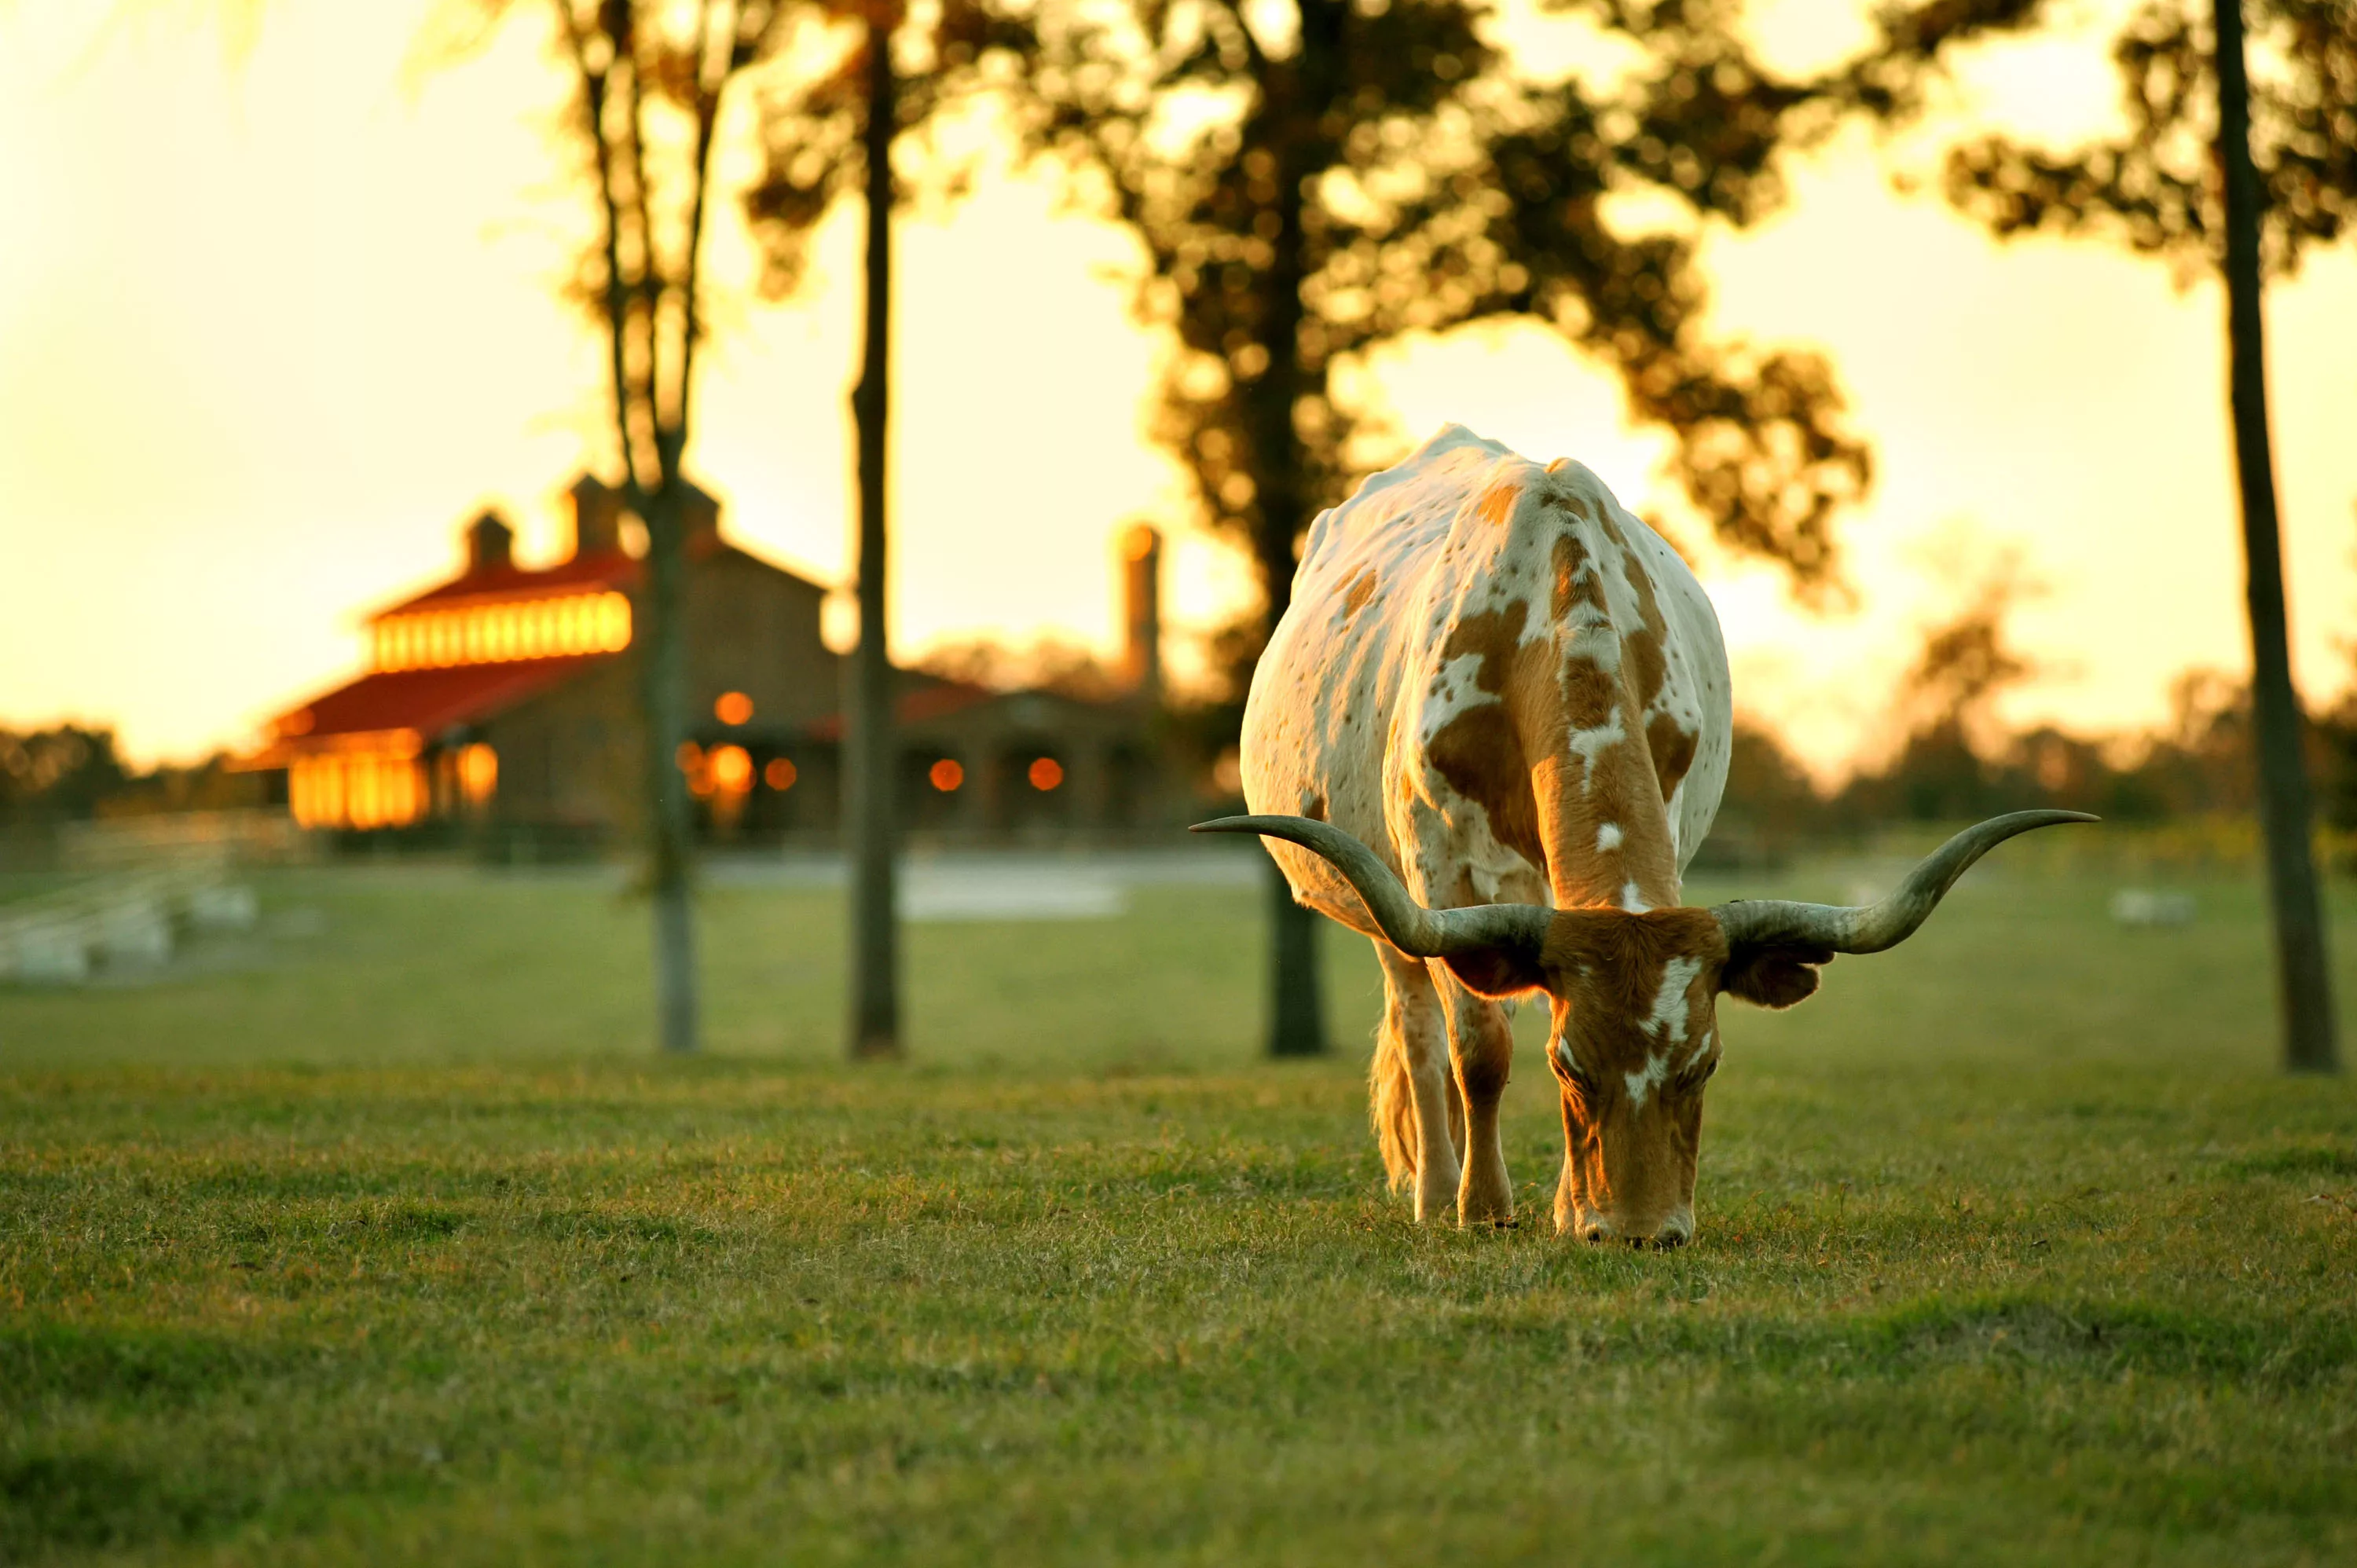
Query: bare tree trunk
x,y
870,778
1297,999
664,672
2303,974
1298,91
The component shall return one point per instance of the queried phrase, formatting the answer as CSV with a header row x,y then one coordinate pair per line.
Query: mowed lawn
x,y
383,1236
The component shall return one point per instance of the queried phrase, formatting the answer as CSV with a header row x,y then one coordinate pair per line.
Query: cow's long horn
x,y
1874,927
1409,927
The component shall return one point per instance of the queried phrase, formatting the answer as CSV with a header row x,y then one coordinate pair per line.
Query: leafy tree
x,y
650,80
2211,169
58,773
1312,181
2155,187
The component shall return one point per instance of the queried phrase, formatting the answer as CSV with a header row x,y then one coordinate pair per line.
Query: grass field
x,y
381,1237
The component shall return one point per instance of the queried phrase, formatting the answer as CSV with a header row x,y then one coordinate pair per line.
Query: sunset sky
x,y
274,322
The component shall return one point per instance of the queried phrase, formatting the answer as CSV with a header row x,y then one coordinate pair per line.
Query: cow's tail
x,y
1390,1103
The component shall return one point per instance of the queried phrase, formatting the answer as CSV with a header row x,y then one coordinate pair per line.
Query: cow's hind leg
x,y
1481,1037
1412,1096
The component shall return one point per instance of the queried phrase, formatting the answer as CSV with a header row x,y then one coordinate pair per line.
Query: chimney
x,y
1141,604
596,516
490,546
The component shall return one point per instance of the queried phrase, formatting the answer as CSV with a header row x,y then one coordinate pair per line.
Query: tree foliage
x,y
2155,186
1314,181
813,119
64,771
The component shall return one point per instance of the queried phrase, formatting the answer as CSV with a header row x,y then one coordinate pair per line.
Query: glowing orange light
x,y
613,622
1046,773
733,708
690,756
478,772
780,774
493,634
946,775
732,768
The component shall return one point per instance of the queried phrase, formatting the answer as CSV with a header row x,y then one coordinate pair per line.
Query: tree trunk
x,y
1296,1006
671,826
2302,974
870,779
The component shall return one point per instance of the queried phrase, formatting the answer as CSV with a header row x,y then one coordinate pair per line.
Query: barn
x,y
499,706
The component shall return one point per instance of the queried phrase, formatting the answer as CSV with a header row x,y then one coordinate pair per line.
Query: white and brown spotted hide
x,y
1513,692
1499,678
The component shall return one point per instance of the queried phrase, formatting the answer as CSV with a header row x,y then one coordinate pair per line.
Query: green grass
x,y
393,1242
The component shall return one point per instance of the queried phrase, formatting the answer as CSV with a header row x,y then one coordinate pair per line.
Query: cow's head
x,y
1635,997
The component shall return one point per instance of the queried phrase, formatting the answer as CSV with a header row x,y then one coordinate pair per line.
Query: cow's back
x,y
1499,679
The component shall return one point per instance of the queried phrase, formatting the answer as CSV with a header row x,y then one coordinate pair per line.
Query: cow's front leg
x,y
1481,1041
1418,1029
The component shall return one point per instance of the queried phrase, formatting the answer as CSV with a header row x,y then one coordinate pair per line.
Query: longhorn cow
x,y
1490,734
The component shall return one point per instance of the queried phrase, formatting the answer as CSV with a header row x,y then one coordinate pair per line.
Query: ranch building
x,y
501,707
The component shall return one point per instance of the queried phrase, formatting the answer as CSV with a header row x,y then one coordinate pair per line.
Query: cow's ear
x,y
1773,974
1497,972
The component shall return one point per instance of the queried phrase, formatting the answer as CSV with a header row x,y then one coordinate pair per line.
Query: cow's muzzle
x,y
1670,1234
1598,1229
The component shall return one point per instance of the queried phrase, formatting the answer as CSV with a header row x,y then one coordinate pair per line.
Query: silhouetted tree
x,y
1313,179
2207,171
1769,804
650,80
827,134
57,774
1951,765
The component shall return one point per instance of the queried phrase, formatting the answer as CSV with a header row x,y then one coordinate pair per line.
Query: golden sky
x,y
272,327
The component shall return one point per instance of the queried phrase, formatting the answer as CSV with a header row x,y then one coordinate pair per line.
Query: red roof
x,y
606,569
425,701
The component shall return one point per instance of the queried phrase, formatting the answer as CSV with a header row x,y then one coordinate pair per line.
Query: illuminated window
x,y
733,708
364,791
1046,773
613,622
732,769
780,774
479,773
355,789
525,629
946,775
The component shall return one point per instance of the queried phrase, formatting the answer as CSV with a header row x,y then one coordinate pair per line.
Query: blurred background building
x,y
501,706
